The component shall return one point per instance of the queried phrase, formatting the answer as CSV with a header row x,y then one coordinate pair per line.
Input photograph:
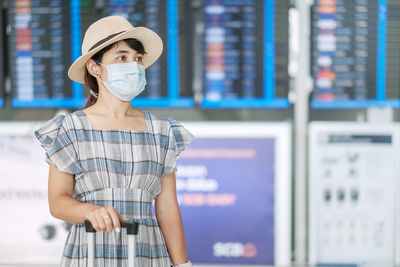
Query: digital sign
x,y
167,85
40,52
355,53
46,37
2,59
245,54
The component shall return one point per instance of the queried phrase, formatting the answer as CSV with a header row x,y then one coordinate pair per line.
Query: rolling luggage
x,y
132,229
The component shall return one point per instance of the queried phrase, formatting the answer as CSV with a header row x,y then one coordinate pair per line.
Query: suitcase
x,y
132,229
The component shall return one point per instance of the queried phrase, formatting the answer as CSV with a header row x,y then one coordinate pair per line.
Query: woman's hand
x,y
105,219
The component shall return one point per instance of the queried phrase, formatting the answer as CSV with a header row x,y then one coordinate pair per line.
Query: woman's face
x,y
120,53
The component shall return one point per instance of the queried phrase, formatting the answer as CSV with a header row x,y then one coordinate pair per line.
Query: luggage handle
x,y
131,227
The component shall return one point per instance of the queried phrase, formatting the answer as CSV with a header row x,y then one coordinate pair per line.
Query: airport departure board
x,y
1,96
245,54
163,87
46,37
245,51
40,53
2,57
356,53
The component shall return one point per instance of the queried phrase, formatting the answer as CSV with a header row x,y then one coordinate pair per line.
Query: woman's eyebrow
x,y
125,52
121,52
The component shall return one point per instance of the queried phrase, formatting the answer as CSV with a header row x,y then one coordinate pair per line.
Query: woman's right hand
x,y
105,219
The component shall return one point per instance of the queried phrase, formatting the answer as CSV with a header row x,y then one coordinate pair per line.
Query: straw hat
x,y
109,30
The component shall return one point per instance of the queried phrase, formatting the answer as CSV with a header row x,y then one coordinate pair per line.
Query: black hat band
x,y
102,41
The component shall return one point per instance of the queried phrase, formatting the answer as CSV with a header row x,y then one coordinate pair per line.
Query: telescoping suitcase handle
x,y
132,229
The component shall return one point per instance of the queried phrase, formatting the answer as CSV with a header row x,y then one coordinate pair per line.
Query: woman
x,y
109,161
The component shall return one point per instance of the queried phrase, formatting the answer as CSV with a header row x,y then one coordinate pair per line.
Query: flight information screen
x,y
1,95
46,37
355,53
245,54
167,83
2,59
40,54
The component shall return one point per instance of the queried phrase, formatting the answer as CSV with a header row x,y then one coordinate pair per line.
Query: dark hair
x,y
91,82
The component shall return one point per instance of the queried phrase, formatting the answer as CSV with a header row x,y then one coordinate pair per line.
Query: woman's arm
x,y
64,207
170,221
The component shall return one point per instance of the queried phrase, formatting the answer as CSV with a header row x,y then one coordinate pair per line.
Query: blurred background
x,y
295,106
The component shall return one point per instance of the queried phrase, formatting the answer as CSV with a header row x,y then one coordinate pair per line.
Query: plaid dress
x,y
119,168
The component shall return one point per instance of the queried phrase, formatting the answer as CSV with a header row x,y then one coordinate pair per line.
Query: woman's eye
x,y
121,58
139,58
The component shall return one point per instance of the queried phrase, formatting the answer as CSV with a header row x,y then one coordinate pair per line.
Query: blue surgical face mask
x,y
125,80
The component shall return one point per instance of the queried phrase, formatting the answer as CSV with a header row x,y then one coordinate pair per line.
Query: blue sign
x,y
245,54
355,57
226,195
44,48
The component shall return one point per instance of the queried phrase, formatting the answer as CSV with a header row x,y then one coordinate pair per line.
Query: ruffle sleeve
x,y
59,148
178,138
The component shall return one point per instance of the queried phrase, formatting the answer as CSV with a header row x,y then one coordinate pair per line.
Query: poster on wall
x,y
234,193
354,184
29,234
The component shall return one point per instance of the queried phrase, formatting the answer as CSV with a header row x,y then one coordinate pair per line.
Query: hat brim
x,y
152,44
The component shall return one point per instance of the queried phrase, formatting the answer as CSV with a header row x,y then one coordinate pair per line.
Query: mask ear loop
x,y
100,63
98,76
93,93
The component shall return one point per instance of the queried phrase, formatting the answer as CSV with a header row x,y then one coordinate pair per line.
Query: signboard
x,y
355,56
245,54
354,200
29,234
233,185
46,36
40,54
169,82
2,58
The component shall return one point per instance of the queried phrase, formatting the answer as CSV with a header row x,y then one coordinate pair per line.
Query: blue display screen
x,y
40,53
167,84
2,59
47,37
355,54
245,54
